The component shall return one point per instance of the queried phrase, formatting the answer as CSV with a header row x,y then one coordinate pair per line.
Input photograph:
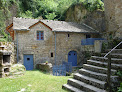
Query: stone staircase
x,y
93,76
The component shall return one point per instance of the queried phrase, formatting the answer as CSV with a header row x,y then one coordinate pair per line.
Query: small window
x,y
51,54
28,59
40,35
68,35
88,36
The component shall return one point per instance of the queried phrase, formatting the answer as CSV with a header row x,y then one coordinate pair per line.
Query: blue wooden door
x,y
28,62
72,57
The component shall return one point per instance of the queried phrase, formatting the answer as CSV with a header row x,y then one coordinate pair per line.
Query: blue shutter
x,y
40,35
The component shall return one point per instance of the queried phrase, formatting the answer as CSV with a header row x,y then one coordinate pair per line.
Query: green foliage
x,y
119,73
4,15
104,46
17,69
92,5
48,9
51,16
2,19
112,43
27,14
120,88
5,38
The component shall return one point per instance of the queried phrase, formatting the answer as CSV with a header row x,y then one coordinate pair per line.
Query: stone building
x,y
39,41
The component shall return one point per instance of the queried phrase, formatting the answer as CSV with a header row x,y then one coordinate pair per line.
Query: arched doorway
x,y
72,57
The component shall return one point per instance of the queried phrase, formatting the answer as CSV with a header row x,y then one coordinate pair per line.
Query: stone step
x,y
99,76
114,51
6,65
90,81
113,60
114,55
98,69
104,64
83,86
71,88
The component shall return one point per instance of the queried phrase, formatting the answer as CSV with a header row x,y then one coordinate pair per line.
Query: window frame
x,y
51,54
88,36
68,35
40,35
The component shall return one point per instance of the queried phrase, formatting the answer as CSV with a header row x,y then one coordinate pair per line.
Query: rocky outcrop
x,y
113,14
13,13
78,13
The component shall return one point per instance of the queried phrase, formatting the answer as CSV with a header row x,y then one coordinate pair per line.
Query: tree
x,y
51,16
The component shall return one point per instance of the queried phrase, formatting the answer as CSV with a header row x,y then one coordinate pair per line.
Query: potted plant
x,y
46,62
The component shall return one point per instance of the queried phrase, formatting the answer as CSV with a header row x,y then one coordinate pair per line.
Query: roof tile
x,y
57,26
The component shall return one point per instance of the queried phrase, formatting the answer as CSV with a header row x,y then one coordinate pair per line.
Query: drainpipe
x,y
55,47
17,46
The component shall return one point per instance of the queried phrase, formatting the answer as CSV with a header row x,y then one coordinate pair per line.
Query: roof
x,y
57,26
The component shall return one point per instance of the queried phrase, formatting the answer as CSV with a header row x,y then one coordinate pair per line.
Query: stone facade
x,y
113,14
42,49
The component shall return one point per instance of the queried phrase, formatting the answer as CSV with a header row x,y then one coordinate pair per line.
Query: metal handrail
x,y
112,50
109,67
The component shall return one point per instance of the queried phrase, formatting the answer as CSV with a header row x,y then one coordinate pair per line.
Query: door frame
x,y
33,59
76,56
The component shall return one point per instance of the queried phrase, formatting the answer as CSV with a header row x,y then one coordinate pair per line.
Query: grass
x,y
34,81
2,40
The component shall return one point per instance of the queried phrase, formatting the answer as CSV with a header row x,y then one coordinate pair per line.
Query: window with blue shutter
x,y
40,35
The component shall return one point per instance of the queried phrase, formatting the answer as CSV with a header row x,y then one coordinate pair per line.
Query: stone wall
x,y
66,44
7,55
79,14
42,49
9,47
113,14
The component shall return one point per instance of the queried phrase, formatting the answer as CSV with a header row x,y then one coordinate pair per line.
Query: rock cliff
x,y
113,14
78,13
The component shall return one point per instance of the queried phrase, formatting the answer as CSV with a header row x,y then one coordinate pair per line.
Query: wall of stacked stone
x,y
66,44
42,49
9,47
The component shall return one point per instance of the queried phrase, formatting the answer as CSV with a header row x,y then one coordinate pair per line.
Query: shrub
x,y
17,69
